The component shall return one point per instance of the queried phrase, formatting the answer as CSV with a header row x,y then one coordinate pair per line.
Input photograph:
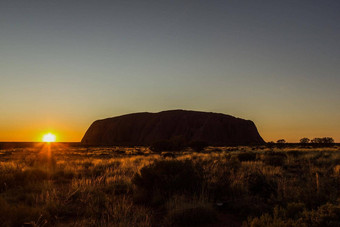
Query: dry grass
x,y
67,186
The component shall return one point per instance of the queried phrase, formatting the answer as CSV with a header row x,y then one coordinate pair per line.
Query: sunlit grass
x,y
94,186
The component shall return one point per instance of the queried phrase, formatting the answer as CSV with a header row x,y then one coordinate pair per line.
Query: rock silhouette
x,y
147,128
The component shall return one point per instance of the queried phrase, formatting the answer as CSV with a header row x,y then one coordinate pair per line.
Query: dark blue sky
x,y
64,64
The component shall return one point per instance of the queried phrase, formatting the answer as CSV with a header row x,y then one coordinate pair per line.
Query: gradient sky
x,y
64,64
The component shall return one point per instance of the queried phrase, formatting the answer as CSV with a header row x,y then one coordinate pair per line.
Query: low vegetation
x,y
207,186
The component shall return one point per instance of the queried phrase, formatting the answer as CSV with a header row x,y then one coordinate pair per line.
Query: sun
x,y
49,137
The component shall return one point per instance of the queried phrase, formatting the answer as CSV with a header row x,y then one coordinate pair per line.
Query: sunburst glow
x,y
49,137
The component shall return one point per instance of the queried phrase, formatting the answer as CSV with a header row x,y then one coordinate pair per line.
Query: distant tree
x,y
281,141
328,140
324,141
316,140
304,140
270,144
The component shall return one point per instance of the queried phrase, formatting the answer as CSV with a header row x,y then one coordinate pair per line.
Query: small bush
x,y
258,184
294,210
62,176
195,216
21,178
246,156
198,146
274,158
119,187
168,155
164,178
18,214
326,215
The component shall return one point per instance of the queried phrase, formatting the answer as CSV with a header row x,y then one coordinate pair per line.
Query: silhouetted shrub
x,y
231,149
21,178
198,146
281,143
18,214
216,149
62,176
246,156
270,144
195,216
294,210
274,158
119,187
326,215
168,155
233,163
164,178
258,184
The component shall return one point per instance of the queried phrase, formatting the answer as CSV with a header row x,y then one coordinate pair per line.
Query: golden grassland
x,y
222,186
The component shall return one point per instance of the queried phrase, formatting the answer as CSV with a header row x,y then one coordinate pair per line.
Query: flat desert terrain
x,y
59,185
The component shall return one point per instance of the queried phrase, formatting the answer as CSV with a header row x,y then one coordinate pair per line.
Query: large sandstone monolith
x,y
148,128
